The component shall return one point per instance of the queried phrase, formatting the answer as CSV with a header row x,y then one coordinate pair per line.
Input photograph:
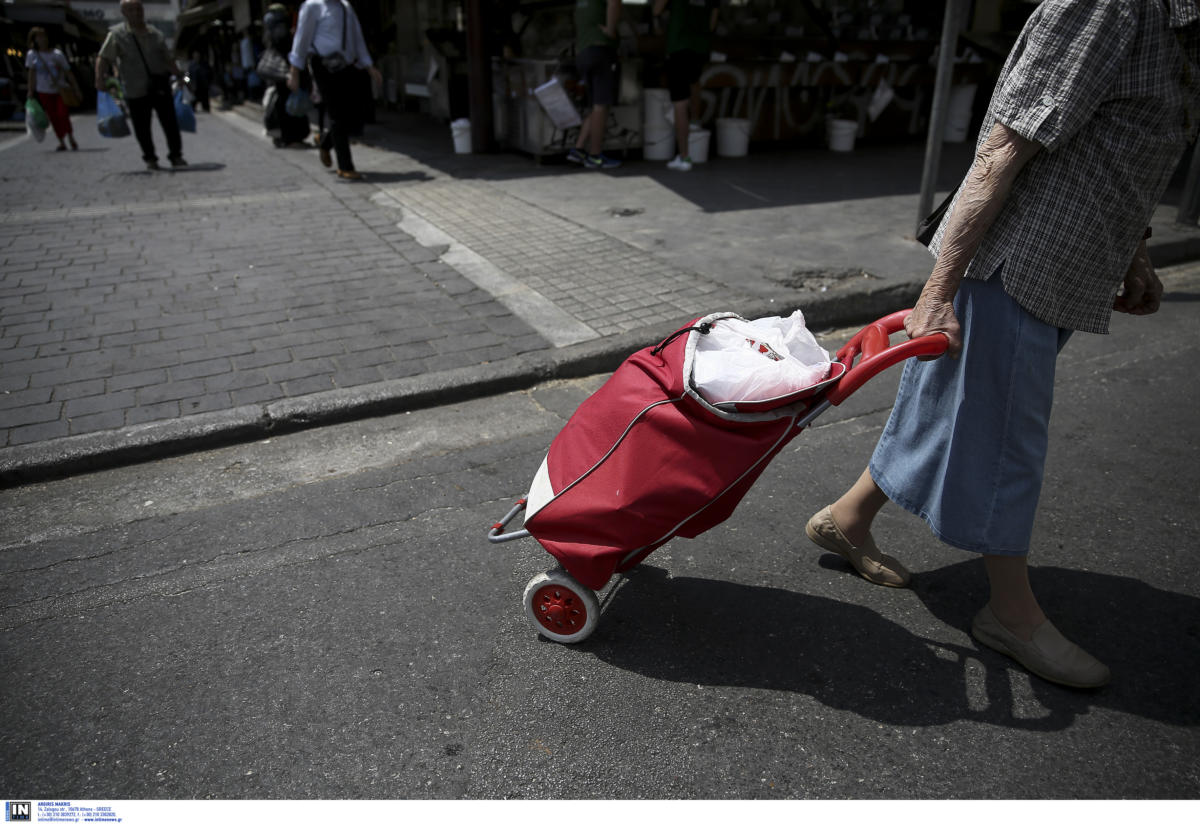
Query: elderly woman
x,y
49,73
1045,237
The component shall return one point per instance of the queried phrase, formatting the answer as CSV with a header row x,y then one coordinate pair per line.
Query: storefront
x,y
780,68
69,30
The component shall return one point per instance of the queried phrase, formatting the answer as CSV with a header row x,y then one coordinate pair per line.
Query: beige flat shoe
x,y
1048,654
867,560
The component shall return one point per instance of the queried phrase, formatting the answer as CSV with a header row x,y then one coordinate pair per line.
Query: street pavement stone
x,y
130,296
253,289
595,278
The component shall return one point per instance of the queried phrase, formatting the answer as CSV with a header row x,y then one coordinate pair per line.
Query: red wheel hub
x,y
559,609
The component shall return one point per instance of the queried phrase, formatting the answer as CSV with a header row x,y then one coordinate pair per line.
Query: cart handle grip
x,y
871,342
497,535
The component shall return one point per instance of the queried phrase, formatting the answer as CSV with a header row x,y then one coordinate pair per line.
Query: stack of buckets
x,y
840,134
733,136
461,131
958,117
658,141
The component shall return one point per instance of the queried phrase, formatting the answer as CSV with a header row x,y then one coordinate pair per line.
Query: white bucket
x,y
733,136
461,130
658,114
958,114
659,148
698,145
840,134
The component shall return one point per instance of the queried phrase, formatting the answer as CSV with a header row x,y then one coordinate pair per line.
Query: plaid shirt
x,y
1107,87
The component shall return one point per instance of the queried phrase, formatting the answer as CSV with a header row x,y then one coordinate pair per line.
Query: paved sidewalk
x,y
149,312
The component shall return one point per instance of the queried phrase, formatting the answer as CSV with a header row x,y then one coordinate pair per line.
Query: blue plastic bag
x,y
184,114
110,117
298,104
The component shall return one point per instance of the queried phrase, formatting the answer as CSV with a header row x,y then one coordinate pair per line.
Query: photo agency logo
x,y
18,811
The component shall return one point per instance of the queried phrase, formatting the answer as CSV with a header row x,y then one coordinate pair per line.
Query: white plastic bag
x,y
557,105
33,124
757,360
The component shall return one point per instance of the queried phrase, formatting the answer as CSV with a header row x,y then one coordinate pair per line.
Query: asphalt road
x,y
320,616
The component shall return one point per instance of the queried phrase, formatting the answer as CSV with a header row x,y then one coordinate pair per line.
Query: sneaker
x,y
176,162
576,155
680,164
600,161
152,165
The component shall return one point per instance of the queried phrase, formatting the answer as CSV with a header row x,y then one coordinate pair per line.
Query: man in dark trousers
x,y
329,36
145,67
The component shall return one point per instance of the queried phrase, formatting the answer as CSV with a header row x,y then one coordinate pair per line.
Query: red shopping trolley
x,y
647,458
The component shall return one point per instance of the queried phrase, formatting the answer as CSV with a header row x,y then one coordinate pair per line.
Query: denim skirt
x,y
965,445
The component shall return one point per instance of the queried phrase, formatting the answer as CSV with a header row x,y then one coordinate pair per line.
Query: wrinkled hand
x,y
933,314
1143,290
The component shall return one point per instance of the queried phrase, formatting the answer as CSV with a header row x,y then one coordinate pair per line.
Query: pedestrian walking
x,y
247,60
273,67
596,58
689,34
145,67
329,38
199,79
1088,120
50,79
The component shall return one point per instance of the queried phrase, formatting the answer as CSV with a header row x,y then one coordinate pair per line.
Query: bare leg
x,y
1012,623
585,129
681,128
844,527
597,121
1013,602
856,509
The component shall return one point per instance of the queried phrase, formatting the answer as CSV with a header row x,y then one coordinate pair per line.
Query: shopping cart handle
x,y
871,347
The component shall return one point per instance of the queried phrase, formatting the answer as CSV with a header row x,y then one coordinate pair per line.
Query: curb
x,y
32,463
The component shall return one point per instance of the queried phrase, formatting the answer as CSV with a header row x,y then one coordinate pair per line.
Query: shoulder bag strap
x,y
141,54
53,72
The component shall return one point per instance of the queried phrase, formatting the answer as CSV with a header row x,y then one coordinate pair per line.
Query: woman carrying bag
x,y
52,84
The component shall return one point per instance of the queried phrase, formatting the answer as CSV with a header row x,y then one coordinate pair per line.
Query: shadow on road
x,y
398,177
716,633
196,167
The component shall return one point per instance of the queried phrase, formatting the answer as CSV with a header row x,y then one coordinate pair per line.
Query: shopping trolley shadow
x,y
849,657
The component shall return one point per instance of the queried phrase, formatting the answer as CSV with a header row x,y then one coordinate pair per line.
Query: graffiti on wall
x,y
784,100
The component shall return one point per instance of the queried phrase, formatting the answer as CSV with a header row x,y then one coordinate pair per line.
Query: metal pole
x,y
1189,203
479,76
951,23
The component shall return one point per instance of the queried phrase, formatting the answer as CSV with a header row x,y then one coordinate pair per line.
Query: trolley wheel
x,y
561,608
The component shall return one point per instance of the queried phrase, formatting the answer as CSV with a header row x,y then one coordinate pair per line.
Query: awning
x,y
202,13
52,13
192,21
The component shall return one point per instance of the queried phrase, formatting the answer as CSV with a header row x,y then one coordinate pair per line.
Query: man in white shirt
x,y
329,36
